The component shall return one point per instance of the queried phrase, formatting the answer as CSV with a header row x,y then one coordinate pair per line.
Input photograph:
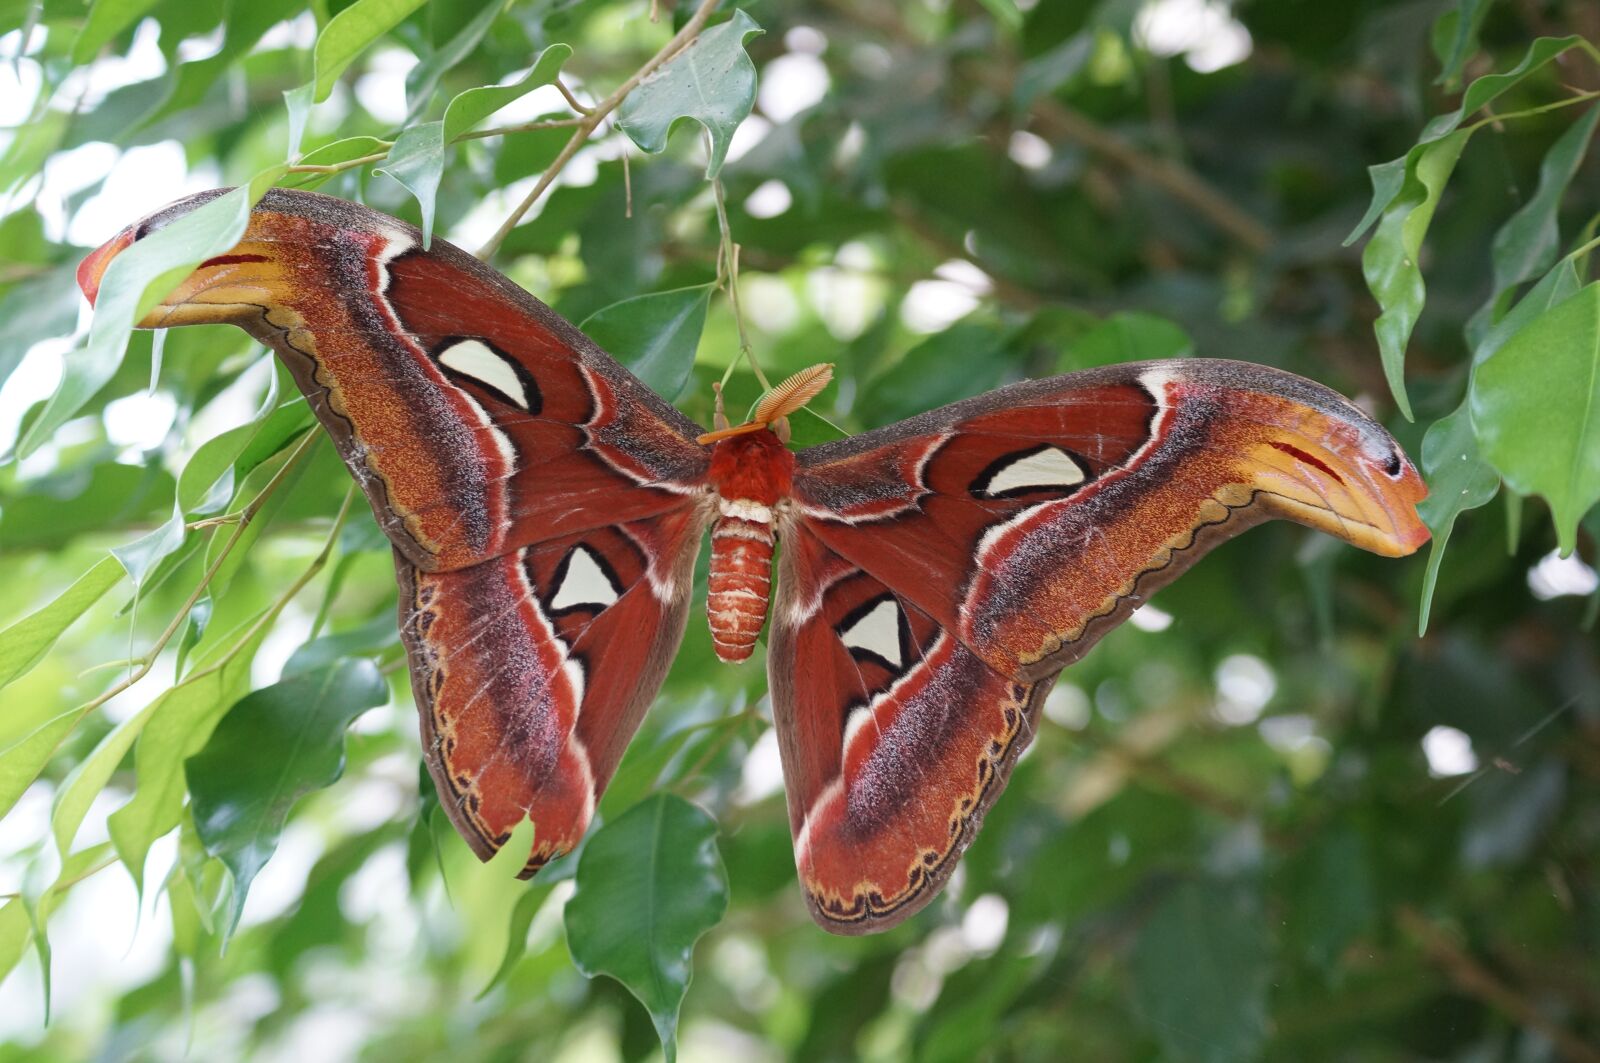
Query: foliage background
x,y
1264,821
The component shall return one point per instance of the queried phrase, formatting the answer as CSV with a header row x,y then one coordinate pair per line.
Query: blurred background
x,y
1264,819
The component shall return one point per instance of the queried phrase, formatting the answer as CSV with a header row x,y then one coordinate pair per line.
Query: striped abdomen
x,y
741,577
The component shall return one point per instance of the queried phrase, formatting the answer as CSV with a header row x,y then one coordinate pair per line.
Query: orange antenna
x,y
780,401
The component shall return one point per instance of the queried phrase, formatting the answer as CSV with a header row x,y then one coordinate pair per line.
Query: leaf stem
x,y
1493,119
338,167
524,127
591,121
728,275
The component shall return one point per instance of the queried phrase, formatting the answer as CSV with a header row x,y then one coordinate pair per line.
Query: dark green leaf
x,y
711,81
1200,972
655,335
649,884
270,750
1458,480
1527,243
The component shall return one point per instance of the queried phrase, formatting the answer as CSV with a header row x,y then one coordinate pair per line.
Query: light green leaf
x,y
522,914
107,18
1389,260
1458,480
655,335
712,81
1527,243
25,642
298,102
650,883
29,747
141,556
1536,407
349,33
474,105
417,162
271,749
423,79
134,283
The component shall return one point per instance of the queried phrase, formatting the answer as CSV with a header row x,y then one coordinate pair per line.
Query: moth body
x,y
750,476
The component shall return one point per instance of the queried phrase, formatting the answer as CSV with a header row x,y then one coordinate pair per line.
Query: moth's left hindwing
x,y
532,672
937,574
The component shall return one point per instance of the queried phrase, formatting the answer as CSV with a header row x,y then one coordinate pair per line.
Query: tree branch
x,y
591,121
1477,981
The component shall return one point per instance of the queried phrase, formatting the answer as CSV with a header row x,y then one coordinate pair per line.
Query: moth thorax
x,y
741,577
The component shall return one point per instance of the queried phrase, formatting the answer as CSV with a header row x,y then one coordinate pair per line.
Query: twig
x,y
1475,980
591,121
572,101
338,167
524,127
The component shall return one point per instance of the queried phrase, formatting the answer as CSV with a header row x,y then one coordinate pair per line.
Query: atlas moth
x,y
546,509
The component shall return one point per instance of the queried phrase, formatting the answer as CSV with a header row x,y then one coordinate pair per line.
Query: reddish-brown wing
x,y
477,420
533,670
545,507
990,544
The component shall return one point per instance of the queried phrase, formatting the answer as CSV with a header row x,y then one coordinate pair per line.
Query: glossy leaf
x,y
655,335
712,81
271,749
1390,259
423,79
417,162
1458,480
474,105
650,883
1536,405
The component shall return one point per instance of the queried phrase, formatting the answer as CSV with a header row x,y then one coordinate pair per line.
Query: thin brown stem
x,y
728,274
572,101
1477,981
524,127
591,121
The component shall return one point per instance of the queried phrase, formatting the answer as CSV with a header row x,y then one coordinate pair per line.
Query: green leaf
x,y
1055,69
1462,41
655,335
423,80
650,883
522,914
298,102
30,745
174,729
39,308
351,32
1201,972
474,105
1006,13
1458,480
25,642
1527,243
1389,177
1126,336
711,81
134,283
271,749
1536,407
417,162
141,556
107,18
1389,260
